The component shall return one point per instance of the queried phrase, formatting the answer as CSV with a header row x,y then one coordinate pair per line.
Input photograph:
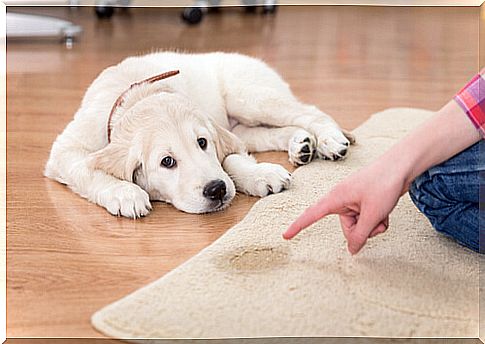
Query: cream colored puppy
x,y
142,135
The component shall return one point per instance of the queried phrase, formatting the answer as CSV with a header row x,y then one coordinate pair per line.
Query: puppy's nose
x,y
215,190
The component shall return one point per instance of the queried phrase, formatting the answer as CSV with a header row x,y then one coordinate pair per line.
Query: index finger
x,y
322,208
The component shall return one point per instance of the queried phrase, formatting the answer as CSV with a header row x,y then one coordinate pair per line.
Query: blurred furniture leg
x,y
269,6
194,15
105,8
27,26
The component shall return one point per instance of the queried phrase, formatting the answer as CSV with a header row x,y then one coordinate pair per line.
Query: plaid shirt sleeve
x,y
472,100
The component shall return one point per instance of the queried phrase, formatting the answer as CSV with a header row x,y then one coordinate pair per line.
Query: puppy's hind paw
x,y
301,147
332,144
125,199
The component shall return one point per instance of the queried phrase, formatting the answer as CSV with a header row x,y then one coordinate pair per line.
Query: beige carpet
x,y
409,282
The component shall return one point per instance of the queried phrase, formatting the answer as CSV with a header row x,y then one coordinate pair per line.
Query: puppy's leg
x,y
259,105
72,167
256,179
302,147
300,144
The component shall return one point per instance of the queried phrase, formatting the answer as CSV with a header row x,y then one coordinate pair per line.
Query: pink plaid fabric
x,y
472,100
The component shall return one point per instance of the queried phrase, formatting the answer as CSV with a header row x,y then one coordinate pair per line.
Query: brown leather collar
x,y
121,98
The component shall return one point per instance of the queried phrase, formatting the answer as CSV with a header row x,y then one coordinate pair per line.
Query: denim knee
x,y
445,211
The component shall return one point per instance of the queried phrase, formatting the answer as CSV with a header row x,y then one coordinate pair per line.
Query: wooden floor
x,y
66,257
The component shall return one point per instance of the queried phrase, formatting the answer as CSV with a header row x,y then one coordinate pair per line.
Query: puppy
x,y
141,134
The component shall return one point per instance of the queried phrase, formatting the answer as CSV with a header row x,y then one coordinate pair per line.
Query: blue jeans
x,y
449,195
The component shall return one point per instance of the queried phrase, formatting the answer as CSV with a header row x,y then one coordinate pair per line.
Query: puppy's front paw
x,y
332,144
301,148
125,199
267,179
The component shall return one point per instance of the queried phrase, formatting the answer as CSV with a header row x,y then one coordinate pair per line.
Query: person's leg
x,y
449,195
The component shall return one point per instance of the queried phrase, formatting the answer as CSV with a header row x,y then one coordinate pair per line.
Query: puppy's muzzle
x,y
215,190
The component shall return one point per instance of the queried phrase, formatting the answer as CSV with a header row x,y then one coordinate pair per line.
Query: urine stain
x,y
254,259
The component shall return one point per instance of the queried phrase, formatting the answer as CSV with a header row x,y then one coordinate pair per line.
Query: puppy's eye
x,y
202,143
168,162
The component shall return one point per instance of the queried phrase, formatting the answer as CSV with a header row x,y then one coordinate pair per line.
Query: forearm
x,y
447,133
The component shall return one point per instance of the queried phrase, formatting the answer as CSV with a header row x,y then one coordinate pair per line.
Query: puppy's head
x,y
167,147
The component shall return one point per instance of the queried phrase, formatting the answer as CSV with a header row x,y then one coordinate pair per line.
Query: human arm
x,y
364,200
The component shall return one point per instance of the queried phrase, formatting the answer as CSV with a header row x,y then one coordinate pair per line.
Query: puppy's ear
x,y
118,160
226,142
349,136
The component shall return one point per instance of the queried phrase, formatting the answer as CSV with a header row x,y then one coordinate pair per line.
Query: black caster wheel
x,y
104,12
192,15
269,9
